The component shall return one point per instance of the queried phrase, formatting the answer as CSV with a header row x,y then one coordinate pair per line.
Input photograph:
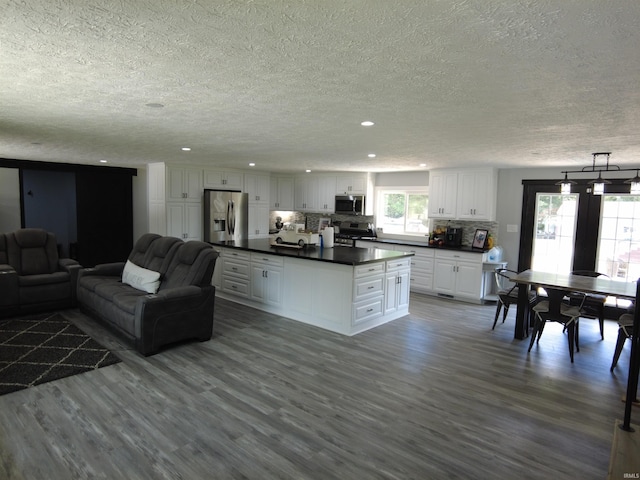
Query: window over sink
x,y
402,211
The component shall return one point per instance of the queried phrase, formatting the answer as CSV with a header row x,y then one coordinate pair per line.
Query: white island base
x,y
345,299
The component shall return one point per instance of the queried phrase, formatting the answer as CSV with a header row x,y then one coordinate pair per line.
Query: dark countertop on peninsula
x,y
340,255
391,241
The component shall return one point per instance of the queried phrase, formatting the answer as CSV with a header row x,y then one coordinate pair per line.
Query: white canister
x,y
327,237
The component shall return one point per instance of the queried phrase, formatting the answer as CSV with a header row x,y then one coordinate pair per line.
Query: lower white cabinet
x,y
458,275
266,278
397,285
342,298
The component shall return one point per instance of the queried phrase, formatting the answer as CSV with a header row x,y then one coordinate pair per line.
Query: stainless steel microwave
x,y
350,204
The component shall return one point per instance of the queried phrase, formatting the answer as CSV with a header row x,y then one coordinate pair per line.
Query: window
x,y
402,211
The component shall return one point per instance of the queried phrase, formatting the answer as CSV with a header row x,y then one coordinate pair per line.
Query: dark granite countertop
x,y
391,241
341,255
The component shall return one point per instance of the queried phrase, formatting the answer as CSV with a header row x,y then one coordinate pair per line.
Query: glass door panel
x,y
553,242
619,237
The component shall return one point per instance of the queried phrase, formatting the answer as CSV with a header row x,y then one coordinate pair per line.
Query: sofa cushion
x,y
126,300
43,279
141,247
140,278
160,253
191,265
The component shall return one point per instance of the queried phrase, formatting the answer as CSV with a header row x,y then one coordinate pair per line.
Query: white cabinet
x,y
397,285
458,275
257,186
306,194
267,278
442,194
281,193
224,179
184,193
463,194
351,184
315,193
184,184
184,220
477,195
421,267
236,272
258,220
368,292
326,194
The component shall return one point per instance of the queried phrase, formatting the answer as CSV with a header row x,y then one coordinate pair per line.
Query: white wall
x,y
140,216
9,199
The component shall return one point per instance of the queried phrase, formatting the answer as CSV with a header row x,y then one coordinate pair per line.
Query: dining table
x,y
596,285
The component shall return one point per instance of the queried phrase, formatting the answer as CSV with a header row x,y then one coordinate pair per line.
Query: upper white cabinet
x,y
463,194
281,194
443,187
351,184
315,193
258,187
184,184
477,195
224,179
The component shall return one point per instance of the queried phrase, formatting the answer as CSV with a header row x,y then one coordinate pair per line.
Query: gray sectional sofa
x,y
182,307
32,276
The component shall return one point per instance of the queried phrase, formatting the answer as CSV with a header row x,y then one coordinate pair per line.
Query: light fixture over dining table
x,y
598,184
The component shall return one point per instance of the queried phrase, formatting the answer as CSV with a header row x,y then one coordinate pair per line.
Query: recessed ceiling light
x,y
372,155
252,164
367,123
423,164
308,171
186,149
154,105
103,161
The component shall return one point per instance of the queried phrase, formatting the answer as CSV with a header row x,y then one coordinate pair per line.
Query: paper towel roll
x,y
327,237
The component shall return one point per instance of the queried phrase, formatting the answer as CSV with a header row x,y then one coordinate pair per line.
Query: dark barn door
x,y
105,217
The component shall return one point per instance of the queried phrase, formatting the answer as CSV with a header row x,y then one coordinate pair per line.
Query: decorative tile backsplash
x,y
312,220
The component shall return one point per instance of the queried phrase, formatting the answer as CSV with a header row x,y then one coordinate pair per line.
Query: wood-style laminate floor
x,y
434,395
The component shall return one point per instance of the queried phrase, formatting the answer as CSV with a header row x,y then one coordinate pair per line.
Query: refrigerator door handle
x,y
231,218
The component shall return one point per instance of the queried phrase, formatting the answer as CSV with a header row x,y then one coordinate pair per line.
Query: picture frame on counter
x,y
480,239
323,223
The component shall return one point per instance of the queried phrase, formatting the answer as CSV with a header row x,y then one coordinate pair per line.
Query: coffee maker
x,y
453,237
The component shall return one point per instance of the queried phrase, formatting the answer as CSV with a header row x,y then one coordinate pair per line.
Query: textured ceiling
x,y
286,83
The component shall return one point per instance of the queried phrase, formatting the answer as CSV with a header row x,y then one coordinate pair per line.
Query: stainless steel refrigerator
x,y
226,216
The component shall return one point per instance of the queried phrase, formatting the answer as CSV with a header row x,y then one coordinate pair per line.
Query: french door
x,y
580,231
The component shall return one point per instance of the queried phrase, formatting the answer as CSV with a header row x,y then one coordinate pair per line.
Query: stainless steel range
x,y
347,233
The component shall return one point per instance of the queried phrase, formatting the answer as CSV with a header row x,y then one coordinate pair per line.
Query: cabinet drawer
x,y
459,256
424,265
399,264
267,259
236,286
369,269
236,254
235,269
367,310
421,282
368,286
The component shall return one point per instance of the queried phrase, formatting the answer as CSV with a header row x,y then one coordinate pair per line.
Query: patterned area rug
x,y
41,348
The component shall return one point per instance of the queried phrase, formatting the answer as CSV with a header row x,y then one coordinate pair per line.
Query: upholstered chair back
x,y
159,254
32,251
141,248
192,264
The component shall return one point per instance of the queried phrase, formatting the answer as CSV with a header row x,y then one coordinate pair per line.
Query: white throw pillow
x,y
140,278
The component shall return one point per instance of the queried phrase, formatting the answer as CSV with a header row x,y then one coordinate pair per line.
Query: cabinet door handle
x,y
371,288
369,310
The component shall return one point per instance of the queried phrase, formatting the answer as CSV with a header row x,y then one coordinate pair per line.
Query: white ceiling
x,y
286,83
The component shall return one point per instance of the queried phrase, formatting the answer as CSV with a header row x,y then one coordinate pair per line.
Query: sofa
x,y
161,295
32,276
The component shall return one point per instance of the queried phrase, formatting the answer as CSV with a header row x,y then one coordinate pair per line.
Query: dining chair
x,y
592,303
625,326
508,295
555,310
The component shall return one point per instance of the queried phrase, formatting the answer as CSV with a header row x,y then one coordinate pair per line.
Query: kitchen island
x,y
343,289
